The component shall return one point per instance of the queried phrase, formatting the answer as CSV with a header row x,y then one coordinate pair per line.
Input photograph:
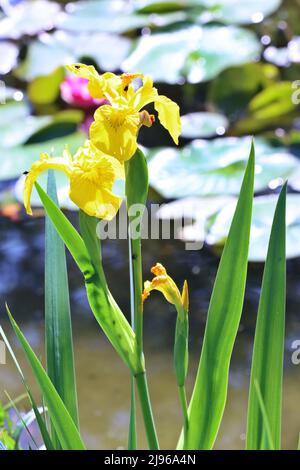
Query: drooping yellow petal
x,y
168,111
45,163
146,94
114,131
169,116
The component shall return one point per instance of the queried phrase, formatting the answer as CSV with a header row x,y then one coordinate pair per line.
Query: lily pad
x,y
203,125
240,11
12,111
16,160
50,52
217,167
194,53
108,16
196,214
30,17
9,55
263,212
19,131
227,11
17,125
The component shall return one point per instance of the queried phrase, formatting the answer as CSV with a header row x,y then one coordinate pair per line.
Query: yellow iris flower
x,y
116,125
165,284
92,175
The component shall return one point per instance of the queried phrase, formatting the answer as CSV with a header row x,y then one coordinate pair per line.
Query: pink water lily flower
x,y
74,91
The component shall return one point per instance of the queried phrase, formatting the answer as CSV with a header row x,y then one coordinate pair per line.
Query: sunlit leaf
x,y
263,211
29,18
195,53
200,125
9,53
216,167
209,394
66,430
264,423
50,52
58,326
16,160
240,11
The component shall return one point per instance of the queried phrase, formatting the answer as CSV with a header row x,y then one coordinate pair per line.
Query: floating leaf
x,y
216,167
111,17
17,132
43,57
227,11
17,126
50,52
196,213
263,212
16,160
45,90
240,11
107,16
160,6
9,54
196,53
203,125
232,90
29,18
12,111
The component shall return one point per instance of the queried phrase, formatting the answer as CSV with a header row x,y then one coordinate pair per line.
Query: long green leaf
x,y
65,428
267,360
105,309
41,423
67,232
58,328
267,433
210,390
87,255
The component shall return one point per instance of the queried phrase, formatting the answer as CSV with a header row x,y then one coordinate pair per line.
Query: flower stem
x,y
136,185
142,387
136,260
132,435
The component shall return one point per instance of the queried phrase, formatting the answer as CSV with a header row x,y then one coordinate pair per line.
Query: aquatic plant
x,y
112,152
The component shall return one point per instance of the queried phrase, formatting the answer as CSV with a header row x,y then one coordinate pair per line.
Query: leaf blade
x,y
64,426
267,359
210,390
58,328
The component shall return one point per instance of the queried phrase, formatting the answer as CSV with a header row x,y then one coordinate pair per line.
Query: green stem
x,y
184,407
132,436
142,387
136,260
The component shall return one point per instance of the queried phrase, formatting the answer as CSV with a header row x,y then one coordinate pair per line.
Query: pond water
x,y
103,381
